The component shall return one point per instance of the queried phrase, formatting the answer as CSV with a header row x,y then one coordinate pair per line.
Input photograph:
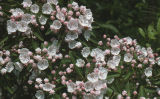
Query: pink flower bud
x,y
52,18
64,95
71,65
158,92
36,86
31,61
134,92
77,13
88,65
52,92
100,43
42,27
64,10
30,82
53,72
41,86
69,5
124,93
104,36
46,80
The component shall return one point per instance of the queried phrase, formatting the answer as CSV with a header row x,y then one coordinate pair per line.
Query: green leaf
x,y
5,39
158,25
35,44
38,36
110,27
141,32
150,90
78,70
128,89
127,76
48,32
151,32
112,76
141,91
56,96
109,91
9,90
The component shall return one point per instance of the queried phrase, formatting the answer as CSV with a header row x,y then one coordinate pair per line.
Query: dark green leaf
x,y
141,32
38,36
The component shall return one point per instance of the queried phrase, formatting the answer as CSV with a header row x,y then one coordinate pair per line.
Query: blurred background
x,y
135,18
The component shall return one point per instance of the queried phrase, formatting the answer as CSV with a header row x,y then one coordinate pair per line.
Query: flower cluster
x,y
88,73
74,20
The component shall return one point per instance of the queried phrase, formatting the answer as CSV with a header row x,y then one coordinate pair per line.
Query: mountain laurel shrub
x,y
49,53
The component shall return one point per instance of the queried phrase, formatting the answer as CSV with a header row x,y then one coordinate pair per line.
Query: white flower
x,y
116,59
87,35
115,43
18,66
115,50
27,3
55,2
109,81
128,57
3,70
95,52
99,96
47,87
83,21
85,52
52,50
88,86
11,26
92,77
88,96
99,84
80,63
144,51
27,18
148,72
39,94
17,12
158,62
71,87
60,16
28,31
42,20
88,14
42,64
74,44
47,9
72,24
24,58
22,26
34,8
102,74
56,25
9,67
1,60
98,54
39,80
111,64
75,5
71,36
128,41
24,51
